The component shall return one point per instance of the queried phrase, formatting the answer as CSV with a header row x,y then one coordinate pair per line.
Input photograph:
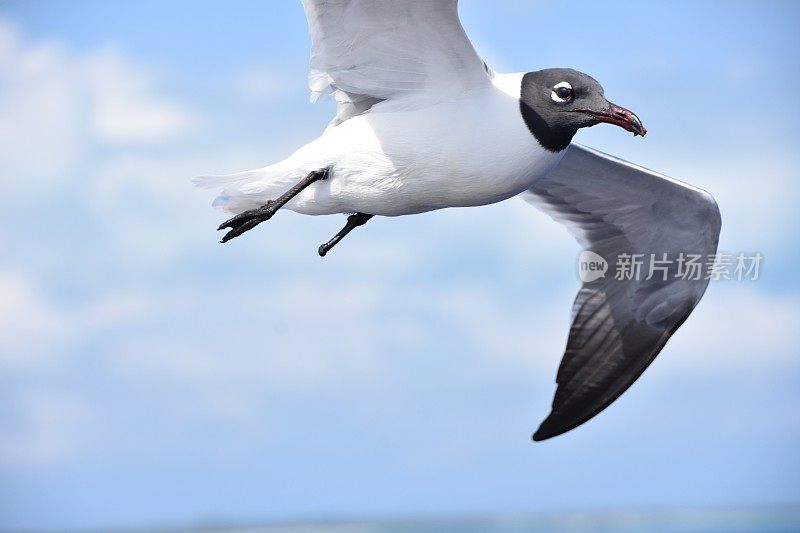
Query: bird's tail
x,y
226,180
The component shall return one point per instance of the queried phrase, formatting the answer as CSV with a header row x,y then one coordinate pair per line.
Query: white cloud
x,y
257,81
756,195
61,111
31,329
51,429
36,333
299,335
126,106
737,326
511,337
319,336
58,106
295,335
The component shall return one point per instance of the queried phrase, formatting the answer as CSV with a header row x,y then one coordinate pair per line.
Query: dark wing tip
x,y
553,427
541,435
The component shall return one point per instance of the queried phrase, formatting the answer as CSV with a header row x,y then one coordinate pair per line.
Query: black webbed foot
x,y
250,219
247,220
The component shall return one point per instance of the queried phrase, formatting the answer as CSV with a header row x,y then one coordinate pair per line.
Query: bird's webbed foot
x,y
247,220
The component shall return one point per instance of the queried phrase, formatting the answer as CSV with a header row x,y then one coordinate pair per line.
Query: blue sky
x,y
149,375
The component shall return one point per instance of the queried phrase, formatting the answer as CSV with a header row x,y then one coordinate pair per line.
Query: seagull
x,y
423,123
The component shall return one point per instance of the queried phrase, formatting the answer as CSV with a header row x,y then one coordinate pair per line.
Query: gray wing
x,y
366,51
619,326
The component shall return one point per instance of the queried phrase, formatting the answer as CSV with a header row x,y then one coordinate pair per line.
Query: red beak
x,y
619,116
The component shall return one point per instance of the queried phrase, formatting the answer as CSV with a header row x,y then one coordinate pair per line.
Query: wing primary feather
x,y
619,326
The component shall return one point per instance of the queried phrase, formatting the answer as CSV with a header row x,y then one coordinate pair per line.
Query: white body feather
x,y
407,156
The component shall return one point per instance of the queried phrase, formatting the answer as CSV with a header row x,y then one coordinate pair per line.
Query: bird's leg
x,y
353,221
250,219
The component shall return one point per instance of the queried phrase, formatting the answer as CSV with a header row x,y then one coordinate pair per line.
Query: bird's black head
x,y
557,102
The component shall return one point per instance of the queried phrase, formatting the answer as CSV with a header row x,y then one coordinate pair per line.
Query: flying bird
x,y
422,123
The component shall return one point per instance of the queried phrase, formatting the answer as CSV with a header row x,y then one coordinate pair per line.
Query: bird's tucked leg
x,y
353,221
250,219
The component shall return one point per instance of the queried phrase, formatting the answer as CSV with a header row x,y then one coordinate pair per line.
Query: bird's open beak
x,y
619,116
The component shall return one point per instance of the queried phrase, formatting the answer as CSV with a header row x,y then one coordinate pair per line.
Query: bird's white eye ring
x,y
562,92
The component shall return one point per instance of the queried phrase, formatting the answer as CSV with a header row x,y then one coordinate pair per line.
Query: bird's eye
x,y
562,92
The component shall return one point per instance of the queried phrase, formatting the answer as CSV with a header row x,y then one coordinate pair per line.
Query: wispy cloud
x,y
60,107
126,103
31,328
51,430
36,332
260,82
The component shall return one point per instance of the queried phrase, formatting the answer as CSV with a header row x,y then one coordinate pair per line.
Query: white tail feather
x,y
248,190
237,201
218,181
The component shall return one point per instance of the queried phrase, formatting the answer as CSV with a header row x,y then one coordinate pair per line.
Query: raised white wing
x,y
618,210
366,51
